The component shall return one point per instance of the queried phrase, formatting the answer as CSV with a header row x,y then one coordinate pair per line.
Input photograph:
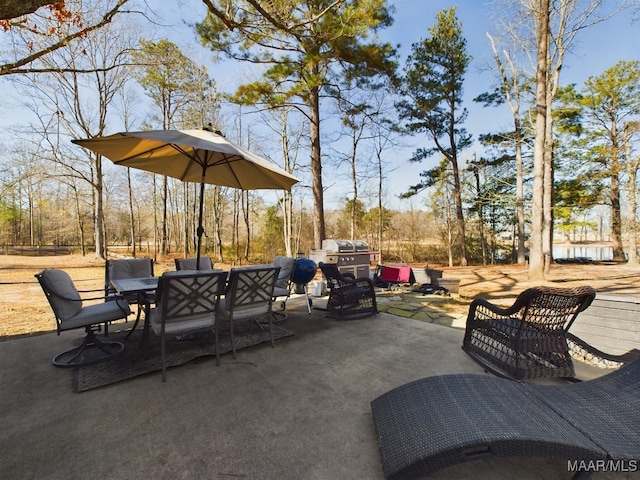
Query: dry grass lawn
x,y
25,310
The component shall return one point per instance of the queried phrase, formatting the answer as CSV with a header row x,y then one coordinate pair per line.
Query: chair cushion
x,y
240,313
64,297
287,265
281,292
130,268
190,263
185,324
98,313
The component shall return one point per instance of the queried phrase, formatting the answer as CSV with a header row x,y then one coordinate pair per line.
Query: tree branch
x,y
11,68
18,8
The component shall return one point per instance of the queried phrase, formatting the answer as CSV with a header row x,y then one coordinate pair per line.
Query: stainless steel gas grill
x,y
351,256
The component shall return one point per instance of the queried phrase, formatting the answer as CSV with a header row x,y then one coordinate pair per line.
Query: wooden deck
x,y
611,324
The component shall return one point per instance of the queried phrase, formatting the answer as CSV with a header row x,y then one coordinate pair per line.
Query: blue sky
x,y
597,48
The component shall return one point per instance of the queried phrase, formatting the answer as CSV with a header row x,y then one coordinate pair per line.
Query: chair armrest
x,y
93,290
581,349
480,303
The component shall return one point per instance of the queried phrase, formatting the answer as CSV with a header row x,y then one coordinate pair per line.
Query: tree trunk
x,y
99,211
132,219
614,197
217,222
632,172
316,168
247,223
186,222
480,209
80,222
459,212
520,194
536,260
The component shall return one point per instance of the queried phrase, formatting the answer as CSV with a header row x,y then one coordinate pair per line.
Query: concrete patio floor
x,y
299,411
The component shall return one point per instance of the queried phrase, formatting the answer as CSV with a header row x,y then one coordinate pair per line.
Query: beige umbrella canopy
x,y
192,156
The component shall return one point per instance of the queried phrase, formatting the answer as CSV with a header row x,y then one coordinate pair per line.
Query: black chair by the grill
x,y
349,297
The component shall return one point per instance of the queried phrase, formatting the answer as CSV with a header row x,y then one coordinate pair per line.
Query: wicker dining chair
x,y
349,297
528,339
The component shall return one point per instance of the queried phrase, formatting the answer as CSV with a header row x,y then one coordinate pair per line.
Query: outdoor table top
x,y
135,285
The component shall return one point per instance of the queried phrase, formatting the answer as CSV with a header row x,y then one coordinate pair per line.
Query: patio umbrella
x,y
192,156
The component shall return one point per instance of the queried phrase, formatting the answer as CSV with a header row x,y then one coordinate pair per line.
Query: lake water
x,y
594,253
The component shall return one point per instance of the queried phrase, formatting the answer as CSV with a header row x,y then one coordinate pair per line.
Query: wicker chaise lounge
x,y
436,422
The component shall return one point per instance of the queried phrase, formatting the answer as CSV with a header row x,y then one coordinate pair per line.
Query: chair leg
x,y
233,346
135,324
278,317
306,296
110,349
163,350
217,346
273,345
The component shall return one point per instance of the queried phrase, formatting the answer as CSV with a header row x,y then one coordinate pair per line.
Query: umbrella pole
x,y
200,230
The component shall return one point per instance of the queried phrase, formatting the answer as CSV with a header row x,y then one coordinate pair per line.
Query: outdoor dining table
x,y
144,288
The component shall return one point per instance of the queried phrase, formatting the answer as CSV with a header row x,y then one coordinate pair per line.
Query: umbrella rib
x,y
229,160
195,157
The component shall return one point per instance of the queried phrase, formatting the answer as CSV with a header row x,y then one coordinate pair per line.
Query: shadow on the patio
x,y
300,410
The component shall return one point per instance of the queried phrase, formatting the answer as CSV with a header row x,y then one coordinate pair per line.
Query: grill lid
x,y
360,245
338,245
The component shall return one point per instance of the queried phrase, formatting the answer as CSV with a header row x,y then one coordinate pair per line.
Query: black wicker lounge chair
x,y
437,422
528,339
349,297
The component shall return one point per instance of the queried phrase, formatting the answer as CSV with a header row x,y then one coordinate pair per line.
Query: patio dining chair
x,y
249,297
191,263
528,339
186,302
282,289
70,313
349,297
116,269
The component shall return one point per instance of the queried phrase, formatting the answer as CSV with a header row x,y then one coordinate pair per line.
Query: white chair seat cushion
x,y
245,312
280,292
287,265
98,313
185,324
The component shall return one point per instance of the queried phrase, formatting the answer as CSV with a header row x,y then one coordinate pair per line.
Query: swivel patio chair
x,y
70,313
349,297
187,302
191,263
282,289
249,297
528,339
116,269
